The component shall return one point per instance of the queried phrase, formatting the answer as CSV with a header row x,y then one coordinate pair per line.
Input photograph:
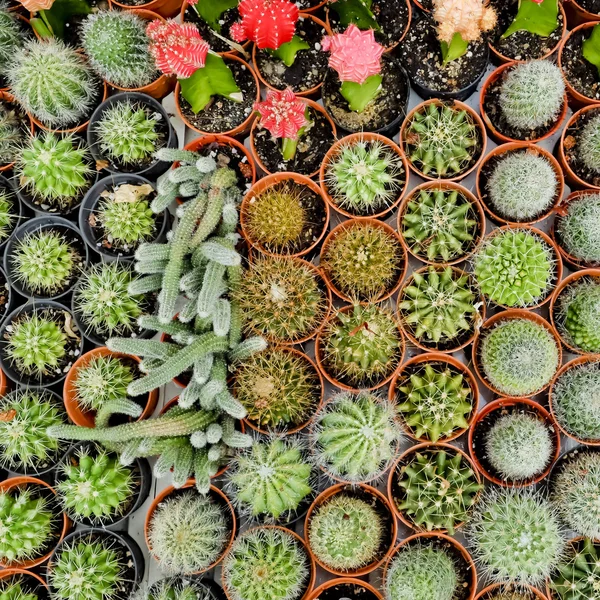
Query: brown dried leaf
x,y
132,193
569,142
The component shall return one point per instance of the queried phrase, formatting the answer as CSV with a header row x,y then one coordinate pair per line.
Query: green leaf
x,y
210,11
455,49
539,19
60,13
359,95
591,48
214,79
357,12
40,28
287,52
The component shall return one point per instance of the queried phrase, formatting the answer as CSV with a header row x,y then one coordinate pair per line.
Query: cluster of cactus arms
x,y
356,436
175,588
515,268
12,36
588,148
578,574
270,479
11,135
26,525
127,223
438,489
579,315
363,261
15,590
266,563
205,338
441,141
435,401
345,532
8,218
439,224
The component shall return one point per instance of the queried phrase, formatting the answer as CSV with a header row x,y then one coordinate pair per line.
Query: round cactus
x,y
176,588
16,588
588,148
578,230
126,223
577,574
11,135
12,37
8,218
578,315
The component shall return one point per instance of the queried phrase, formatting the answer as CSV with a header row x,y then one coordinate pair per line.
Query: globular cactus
x,y
53,82
509,594
588,147
439,224
519,446
126,223
438,306
11,135
577,574
519,357
175,588
345,532
532,95
363,260
578,312
578,229
522,186
266,563
441,141
515,536
8,218
271,479
118,48
355,436
15,589
435,401
12,36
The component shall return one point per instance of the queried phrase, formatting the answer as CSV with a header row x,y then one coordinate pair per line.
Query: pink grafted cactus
x,y
466,17
177,48
282,114
355,54
268,23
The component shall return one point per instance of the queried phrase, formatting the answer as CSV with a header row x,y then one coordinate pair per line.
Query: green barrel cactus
x,y
578,312
16,589
578,575
127,224
8,216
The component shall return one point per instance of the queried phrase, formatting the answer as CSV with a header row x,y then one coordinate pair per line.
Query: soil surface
x,y
232,157
228,18
72,26
4,294
582,75
592,6
571,148
347,591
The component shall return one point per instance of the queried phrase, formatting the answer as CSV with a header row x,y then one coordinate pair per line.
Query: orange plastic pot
x,y
345,581
430,357
500,405
513,147
508,315
87,418
360,489
486,593
351,139
18,573
9,98
577,15
499,137
3,383
315,107
458,106
164,8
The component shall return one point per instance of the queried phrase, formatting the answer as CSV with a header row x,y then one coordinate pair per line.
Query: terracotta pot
x,y
441,538
341,228
359,490
500,405
22,573
353,138
6,97
577,15
512,147
404,458
499,137
485,594
507,315
86,418
343,386
270,181
315,107
345,580
573,544
240,129
220,496
436,357
455,104
164,8
444,185
478,317
3,384
17,482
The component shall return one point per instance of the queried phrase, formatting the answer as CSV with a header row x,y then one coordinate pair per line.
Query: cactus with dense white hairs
x,y
588,148
578,229
578,314
175,588
12,36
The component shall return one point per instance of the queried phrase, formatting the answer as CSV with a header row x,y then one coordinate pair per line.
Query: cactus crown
x,y
52,82
577,574
11,134
522,186
127,223
8,218
441,140
579,229
118,48
266,563
578,315
519,357
16,589
11,37
588,148
532,95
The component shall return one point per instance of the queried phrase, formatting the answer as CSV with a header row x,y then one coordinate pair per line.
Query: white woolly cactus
x,y
579,229
11,36
588,149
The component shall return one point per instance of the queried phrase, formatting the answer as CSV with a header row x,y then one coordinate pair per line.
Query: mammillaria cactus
x,y
577,228
578,312
176,588
11,135
11,36
8,218
588,148
577,574
12,589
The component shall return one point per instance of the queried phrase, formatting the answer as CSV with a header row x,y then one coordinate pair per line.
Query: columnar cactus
x,y
579,315
577,574
578,229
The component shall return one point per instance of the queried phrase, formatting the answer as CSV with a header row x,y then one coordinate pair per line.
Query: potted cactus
x,y
14,34
501,591
15,128
180,588
18,584
10,211
576,572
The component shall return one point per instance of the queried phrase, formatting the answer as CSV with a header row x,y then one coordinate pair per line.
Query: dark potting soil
x,y
521,45
228,18
28,584
22,118
232,157
309,68
221,114
346,591
592,6
571,148
306,4
421,55
4,294
386,108
391,16
312,147
581,74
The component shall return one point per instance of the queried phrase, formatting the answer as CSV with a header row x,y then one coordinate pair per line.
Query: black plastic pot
x,y
34,226
563,459
88,206
6,184
155,168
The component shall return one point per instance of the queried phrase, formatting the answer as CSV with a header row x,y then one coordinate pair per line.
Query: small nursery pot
x,y
217,494
32,227
486,593
163,8
6,97
379,502
496,154
31,582
355,138
86,418
60,528
494,80
508,315
345,588
494,410
156,167
429,357
454,104
576,14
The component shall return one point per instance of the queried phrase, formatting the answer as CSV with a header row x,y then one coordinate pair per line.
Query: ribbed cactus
x,y
578,230
11,134
578,576
127,224
588,148
578,315
12,36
